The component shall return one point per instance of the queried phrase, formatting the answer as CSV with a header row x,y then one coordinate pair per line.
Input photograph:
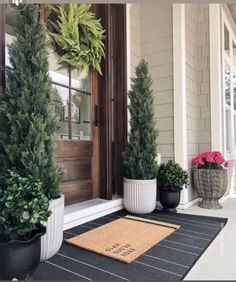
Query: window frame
x,y
229,59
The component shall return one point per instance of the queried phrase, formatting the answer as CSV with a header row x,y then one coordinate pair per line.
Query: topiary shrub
x,y
139,156
27,119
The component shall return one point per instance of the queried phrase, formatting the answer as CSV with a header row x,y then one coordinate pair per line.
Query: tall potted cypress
x,y
139,157
27,120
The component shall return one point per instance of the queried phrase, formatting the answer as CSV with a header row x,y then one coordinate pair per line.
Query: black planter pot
x,y
169,199
19,259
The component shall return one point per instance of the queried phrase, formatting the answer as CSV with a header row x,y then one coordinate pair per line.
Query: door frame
x,y
104,88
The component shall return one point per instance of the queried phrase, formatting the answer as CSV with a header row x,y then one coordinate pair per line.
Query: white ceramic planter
x,y
52,240
140,195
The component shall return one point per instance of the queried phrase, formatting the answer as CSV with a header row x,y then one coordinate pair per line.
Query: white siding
x,y
204,127
197,83
134,36
156,47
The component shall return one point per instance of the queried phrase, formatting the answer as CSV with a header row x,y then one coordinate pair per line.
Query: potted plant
x,y
170,181
139,156
23,206
210,178
28,121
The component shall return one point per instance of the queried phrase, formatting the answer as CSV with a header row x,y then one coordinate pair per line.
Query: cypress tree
x,y
139,157
27,120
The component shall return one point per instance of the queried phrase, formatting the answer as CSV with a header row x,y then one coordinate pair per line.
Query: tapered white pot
x,y
140,195
52,240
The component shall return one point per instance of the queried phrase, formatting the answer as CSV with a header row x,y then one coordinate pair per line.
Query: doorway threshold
x,y
89,210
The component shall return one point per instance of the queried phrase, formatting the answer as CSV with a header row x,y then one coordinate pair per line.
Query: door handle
x,y
96,115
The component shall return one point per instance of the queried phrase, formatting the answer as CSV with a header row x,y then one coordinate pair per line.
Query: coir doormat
x,y
124,239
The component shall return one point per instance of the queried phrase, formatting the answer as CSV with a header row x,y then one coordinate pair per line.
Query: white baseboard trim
x,y
181,206
90,210
228,196
189,204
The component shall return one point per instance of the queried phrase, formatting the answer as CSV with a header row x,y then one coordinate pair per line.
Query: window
x,y
229,87
226,40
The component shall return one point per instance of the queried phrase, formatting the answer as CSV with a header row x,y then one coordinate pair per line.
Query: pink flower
x,y
226,164
208,159
219,160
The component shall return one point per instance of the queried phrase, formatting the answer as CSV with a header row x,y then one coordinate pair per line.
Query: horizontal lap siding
x,y
191,13
156,39
134,36
197,83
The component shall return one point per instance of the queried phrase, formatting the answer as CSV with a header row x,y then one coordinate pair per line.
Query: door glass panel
x,y
58,73
10,23
81,83
227,83
60,99
80,116
234,54
227,114
234,132
226,37
234,89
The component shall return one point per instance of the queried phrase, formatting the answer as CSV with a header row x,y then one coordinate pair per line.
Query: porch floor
x,y
218,262
170,260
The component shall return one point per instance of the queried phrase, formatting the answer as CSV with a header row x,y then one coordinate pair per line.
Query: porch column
x,y
215,77
179,62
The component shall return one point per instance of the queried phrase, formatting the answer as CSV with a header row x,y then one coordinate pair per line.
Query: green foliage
x,y
27,119
171,176
76,35
139,157
23,206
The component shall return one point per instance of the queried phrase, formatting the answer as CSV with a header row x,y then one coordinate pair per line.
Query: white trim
x,y
215,77
189,204
128,58
227,57
90,210
128,50
179,58
181,206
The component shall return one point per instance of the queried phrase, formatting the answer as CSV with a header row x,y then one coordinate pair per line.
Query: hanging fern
x,y
76,36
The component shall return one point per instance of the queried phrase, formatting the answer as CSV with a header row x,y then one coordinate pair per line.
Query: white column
x,y
180,123
215,77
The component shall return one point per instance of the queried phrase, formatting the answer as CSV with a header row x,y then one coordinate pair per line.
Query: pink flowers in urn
x,y
210,160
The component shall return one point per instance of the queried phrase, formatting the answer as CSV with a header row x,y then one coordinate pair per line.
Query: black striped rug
x,y
170,260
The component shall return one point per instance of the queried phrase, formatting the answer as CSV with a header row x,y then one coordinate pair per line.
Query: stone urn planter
x,y
211,185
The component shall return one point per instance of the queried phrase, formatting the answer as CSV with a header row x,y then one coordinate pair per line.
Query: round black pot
x,y
169,199
19,259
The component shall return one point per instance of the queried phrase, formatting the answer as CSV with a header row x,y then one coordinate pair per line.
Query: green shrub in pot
x,y
139,156
170,181
23,206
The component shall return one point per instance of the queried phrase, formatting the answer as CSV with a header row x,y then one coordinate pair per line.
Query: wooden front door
x,y
79,156
77,146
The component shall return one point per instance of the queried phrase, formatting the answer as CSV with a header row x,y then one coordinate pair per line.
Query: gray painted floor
x,y
219,261
169,260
